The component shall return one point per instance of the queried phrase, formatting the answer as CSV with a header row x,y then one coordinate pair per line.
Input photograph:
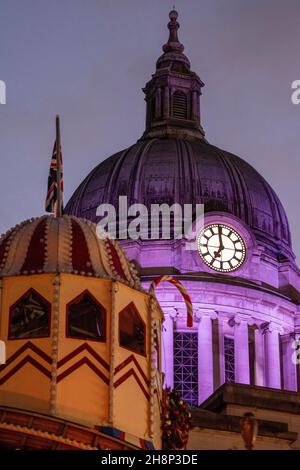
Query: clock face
x,y
221,247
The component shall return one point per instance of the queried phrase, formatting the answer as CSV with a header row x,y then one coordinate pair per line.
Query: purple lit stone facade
x,y
173,162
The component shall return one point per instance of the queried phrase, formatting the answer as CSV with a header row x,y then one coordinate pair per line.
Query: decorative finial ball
x,y
173,15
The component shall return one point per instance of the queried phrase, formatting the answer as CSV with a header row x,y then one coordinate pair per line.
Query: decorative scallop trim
x,y
54,354
107,244
64,250
58,250
8,238
13,229
106,260
7,242
70,242
5,239
8,257
124,263
127,266
152,366
18,251
35,256
51,236
112,353
89,230
45,435
132,270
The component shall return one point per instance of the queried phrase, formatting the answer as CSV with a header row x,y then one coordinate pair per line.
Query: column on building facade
x,y
222,321
259,358
166,106
289,367
205,355
272,352
167,350
241,350
195,105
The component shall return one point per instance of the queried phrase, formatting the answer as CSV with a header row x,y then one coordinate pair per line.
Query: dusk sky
x,y
88,61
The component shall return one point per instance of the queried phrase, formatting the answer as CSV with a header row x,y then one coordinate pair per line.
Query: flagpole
x,y
58,163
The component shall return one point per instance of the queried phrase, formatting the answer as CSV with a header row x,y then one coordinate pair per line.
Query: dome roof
x,y
168,170
63,245
173,162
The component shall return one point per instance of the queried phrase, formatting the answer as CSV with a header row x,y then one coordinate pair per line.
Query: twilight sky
x,y
88,60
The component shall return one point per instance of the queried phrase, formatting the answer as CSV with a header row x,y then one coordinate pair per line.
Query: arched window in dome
x,y
132,330
86,318
179,105
29,317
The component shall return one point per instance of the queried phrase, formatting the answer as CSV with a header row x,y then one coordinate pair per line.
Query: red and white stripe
x,y
183,291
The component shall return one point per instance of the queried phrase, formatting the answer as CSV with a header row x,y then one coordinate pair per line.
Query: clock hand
x,y
220,239
221,247
217,254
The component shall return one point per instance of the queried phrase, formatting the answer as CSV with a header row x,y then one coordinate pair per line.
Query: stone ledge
x,y
253,397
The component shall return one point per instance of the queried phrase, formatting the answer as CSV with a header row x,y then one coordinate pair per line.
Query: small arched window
x,y
179,105
86,318
29,317
132,330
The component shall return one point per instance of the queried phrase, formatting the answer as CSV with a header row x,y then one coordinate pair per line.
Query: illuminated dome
x,y
62,245
188,171
85,343
174,163
245,313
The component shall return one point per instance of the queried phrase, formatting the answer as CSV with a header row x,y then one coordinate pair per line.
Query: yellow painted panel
x,y
27,389
131,409
83,397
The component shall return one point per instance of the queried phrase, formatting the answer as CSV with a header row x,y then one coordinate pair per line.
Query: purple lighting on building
x,y
255,304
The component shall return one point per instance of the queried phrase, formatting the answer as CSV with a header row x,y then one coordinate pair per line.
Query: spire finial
x,y
173,43
172,94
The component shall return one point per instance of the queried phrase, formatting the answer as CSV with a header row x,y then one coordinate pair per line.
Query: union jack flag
x,y
52,196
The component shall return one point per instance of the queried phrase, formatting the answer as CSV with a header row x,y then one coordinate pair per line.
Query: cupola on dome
x,y
174,163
